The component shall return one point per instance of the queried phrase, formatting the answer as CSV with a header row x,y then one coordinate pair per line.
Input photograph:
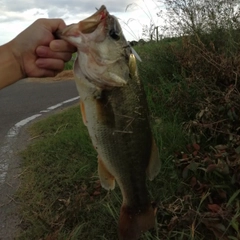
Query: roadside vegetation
x,y
192,84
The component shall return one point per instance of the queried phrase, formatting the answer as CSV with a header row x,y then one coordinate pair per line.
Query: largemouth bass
x,y
115,112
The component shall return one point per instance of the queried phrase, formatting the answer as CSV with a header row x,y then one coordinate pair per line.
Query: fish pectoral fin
x,y
154,164
106,178
113,80
82,107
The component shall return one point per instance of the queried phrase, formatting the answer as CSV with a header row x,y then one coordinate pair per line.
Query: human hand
x,y
38,52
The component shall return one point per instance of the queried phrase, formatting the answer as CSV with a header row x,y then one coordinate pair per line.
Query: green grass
x,y
60,195
196,192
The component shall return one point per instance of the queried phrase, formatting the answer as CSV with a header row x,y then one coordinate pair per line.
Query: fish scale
x,y
115,112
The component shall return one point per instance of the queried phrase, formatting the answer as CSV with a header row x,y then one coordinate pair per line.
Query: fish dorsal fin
x,y
154,162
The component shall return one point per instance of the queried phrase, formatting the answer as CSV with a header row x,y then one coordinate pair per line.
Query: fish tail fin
x,y
132,224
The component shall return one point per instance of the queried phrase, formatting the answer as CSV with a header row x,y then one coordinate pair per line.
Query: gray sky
x,y
73,6
16,15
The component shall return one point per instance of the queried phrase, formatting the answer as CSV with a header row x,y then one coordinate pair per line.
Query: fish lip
x,y
90,24
87,25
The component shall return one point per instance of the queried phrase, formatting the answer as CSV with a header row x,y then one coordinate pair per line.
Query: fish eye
x,y
114,35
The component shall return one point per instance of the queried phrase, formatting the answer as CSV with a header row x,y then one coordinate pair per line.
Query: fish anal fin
x,y
106,178
132,225
82,107
154,164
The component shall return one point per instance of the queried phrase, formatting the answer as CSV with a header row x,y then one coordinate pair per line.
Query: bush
x,y
207,55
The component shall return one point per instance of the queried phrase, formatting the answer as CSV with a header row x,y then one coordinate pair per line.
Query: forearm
x,y
10,68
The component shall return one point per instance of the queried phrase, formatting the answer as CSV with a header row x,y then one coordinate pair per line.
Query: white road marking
x,y
6,151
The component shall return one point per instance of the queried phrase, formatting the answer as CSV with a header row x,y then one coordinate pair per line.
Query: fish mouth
x,y
86,26
90,24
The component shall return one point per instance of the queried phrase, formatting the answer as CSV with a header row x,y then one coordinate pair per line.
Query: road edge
x,y
16,141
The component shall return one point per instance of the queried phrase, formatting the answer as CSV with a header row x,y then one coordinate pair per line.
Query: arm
x,y
34,53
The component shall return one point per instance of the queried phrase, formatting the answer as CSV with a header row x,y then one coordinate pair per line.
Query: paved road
x,y
24,99
18,102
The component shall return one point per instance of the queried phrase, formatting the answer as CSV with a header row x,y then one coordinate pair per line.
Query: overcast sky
x,y
16,15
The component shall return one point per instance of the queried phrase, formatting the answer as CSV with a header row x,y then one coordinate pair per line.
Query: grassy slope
x,y
61,196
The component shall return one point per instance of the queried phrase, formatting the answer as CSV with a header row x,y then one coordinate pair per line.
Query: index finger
x,y
54,24
59,45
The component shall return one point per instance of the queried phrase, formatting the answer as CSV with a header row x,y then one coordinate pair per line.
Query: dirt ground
x,y
9,219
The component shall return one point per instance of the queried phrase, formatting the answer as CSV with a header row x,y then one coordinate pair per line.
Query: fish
x,y
115,111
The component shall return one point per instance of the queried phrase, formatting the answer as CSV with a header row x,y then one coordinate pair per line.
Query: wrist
x,y
17,56
10,65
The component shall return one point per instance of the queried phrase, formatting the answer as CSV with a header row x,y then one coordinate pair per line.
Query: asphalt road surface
x,y
24,99
18,102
